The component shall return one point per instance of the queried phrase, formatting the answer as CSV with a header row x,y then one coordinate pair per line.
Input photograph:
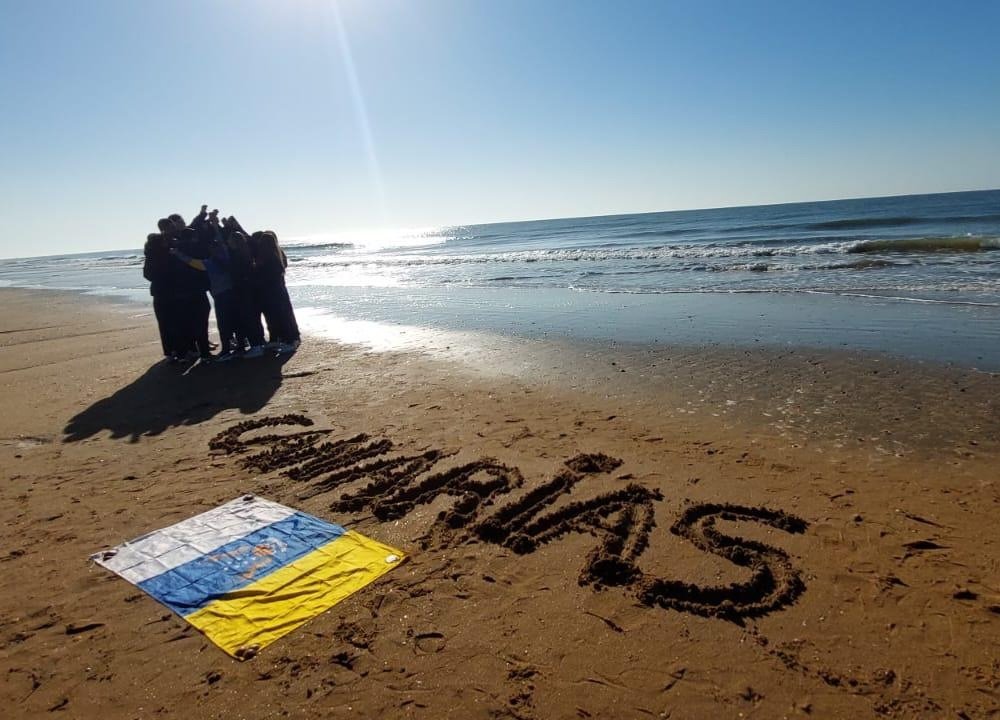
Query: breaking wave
x,y
927,245
318,246
664,253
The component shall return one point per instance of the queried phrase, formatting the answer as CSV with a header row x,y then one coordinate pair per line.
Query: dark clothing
x,y
278,313
272,296
195,309
156,269
161,271
250,331
227,317
168,318
220,280
191,288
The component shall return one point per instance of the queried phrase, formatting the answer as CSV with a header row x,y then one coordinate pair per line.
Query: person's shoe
x,y
192,355
225,357
286,348
255,352
273,345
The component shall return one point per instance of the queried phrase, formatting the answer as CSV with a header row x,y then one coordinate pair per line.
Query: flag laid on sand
x,y
250,571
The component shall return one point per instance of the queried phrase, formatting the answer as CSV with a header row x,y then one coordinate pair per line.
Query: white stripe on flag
x,y
163,550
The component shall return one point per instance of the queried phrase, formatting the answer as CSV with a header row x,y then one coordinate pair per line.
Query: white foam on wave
x,y
901,298
665,253
370,240
956,244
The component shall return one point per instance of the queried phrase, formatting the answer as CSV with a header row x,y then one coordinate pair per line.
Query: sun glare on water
x,y
373,239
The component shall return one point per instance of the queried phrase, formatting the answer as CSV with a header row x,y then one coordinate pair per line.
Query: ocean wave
x,y
316,246
858,223
927,245
861,223
866,264
894,294
639,234
94,263
901,298
898,221
774,267
666,253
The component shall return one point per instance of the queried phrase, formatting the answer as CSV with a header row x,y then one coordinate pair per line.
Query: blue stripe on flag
x,y
195,584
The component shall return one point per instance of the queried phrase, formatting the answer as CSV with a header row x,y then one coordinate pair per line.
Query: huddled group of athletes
x,y
245,275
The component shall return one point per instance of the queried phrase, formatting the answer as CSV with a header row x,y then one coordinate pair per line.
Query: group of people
x,y
245,275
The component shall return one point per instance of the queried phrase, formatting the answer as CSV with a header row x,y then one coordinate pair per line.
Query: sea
x,y
915,275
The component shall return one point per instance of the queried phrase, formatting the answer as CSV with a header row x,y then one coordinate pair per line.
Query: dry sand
x,y
869,487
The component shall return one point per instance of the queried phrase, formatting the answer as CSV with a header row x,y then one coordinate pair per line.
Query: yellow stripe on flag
x,y
260,613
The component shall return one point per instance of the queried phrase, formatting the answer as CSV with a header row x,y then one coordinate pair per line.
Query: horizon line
x,y
564,217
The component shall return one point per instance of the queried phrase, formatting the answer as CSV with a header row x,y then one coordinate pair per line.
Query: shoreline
x,y
942,329
825,396
899,614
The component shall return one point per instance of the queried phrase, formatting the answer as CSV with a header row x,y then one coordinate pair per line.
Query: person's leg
x,y
272,317
225,320
181,313
173,328
288,328
160,311
251,329
202,311
291,325
187,324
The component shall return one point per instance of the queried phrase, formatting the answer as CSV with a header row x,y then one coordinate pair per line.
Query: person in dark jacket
x,y
192,286
158,268
269,288
250,332
220,285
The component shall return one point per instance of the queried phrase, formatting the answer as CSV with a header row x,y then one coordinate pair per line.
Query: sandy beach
x,y
867,485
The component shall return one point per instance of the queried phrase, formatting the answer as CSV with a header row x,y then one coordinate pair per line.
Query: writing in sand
x,y
621,519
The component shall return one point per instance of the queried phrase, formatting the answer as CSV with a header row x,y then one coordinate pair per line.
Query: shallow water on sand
x,y
964,335
918,276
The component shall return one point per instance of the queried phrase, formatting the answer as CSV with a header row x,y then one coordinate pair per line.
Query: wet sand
x,y
572,517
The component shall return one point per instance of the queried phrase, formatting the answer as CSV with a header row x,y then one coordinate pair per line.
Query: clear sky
x,y
316,116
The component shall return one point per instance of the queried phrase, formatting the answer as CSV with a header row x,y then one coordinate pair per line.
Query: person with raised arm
x,y
218,268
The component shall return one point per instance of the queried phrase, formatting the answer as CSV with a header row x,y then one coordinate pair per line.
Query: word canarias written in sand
x,y
621,519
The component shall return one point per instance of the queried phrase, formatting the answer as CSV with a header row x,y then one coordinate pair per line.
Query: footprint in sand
x,y
429,643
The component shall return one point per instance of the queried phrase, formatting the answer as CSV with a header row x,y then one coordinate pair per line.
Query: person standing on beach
x,y
157,267
269,287
217,268
249,331
193,286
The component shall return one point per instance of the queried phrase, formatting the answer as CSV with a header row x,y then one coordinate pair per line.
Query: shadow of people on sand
x,y
167,396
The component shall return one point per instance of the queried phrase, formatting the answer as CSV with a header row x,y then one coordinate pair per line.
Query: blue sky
x,y
310,117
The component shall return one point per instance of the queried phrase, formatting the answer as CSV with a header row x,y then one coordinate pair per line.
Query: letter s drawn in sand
x,y
774,583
